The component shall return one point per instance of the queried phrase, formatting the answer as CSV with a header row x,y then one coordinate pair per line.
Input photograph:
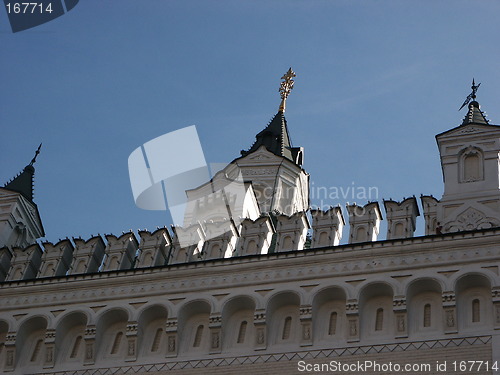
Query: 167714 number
x,y
24,8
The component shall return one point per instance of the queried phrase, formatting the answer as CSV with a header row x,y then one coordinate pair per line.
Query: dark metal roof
x,y
23,183
275,138
475,115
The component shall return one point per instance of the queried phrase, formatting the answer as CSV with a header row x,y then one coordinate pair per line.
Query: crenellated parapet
x,y
154,248
430,205
291,231
401,218
222,239
256,236
271,233
25,263
87,255
187,244
56,259
327,227
364,222
120,252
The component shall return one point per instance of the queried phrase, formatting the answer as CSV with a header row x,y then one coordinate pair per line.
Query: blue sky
x,y
376,81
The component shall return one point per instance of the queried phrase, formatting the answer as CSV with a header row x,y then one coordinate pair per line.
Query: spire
x,y
23,182
474,114
275,136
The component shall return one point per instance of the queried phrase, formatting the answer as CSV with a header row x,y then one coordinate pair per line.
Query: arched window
x,y
471,165
215,251
76,347
332,326
476,306
361,234
251,247
323,239
157,340
427,315
81,266
399,230
286,328
198,336
242,331
113,263
18,273
36,350
379,319
287,243
116,343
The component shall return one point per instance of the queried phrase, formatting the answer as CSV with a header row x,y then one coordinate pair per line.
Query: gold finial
x,y
286,87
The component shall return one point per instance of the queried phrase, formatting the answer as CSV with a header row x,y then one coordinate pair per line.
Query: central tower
x,y
274,166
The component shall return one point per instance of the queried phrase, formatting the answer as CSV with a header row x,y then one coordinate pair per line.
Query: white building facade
x,y
264,296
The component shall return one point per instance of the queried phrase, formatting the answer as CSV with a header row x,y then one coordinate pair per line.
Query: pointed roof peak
x,y
275,136
475,115
23,183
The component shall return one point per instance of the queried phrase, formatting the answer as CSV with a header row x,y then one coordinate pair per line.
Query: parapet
x,y
120,252
273,232
256,236
291,232
154,248
327,227
401,218
25,263
430,205
87,255
364,222
56,259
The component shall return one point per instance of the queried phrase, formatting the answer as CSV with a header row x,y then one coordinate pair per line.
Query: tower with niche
x,y
470,160
274,166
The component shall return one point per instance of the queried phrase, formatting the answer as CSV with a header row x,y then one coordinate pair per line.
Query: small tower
x,y
470,163
273,165
20,223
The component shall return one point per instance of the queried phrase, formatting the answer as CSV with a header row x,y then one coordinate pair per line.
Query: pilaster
x,y
260,326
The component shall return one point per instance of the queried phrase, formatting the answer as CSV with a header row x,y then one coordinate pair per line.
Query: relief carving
x,y
171,344
353,327
260,336
450,318
215,340
306,335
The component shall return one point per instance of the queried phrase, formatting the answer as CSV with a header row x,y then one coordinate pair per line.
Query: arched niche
x,y
425,308
329,318
474,303
376,313
282,318
193,330
237,324
30,344
151,331
111,335
70,332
